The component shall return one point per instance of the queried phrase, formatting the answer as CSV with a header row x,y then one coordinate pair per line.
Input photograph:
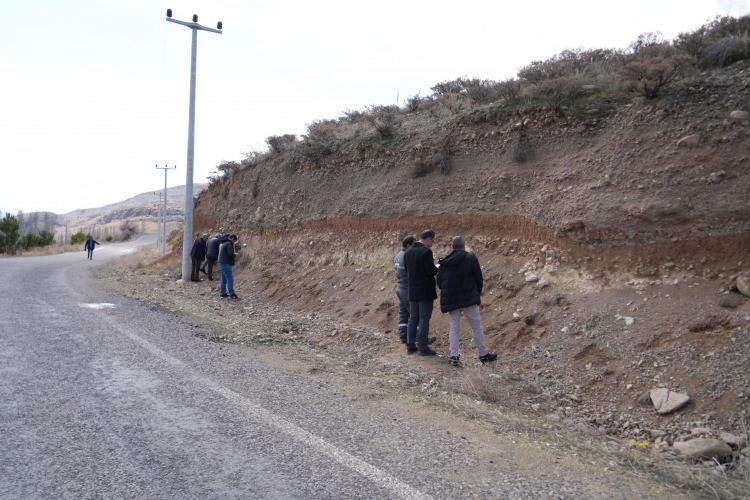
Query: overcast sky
x,y
94,93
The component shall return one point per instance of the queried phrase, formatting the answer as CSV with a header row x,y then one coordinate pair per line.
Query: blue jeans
x,y
419,314
227,279
403,311
90,253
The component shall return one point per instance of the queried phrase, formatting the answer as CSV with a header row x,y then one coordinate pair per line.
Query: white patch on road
x,y
98,305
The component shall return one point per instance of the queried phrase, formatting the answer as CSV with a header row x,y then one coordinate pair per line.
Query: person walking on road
x,y
402,288
421,270
227,255
89,247
460,281
197,254
212,255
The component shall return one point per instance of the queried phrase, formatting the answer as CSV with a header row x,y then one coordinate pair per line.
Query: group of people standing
x,y
459,277
206,253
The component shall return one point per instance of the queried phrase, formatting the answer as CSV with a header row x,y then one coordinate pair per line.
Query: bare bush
x,y
650,75
509,90
560,93
280,143
595,63
354,115
383,119
454,103
725,51
717,43
320,140
412,103
478,90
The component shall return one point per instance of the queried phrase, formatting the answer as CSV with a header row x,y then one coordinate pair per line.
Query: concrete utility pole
x,y
164,212
187,233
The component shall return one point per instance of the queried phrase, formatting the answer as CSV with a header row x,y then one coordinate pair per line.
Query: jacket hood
x,y
455,258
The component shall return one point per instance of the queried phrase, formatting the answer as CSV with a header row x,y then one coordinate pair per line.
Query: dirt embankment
x,y
632,232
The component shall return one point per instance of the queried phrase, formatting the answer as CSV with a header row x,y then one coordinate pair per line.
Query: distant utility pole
x,y
187,233
166,168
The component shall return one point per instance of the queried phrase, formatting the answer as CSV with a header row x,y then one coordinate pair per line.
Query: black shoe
x,y
410,349
455,360
224,295
234,296
431,340
487,358
427,352
403,340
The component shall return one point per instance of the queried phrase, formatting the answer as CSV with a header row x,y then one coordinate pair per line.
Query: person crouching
x,y
460,280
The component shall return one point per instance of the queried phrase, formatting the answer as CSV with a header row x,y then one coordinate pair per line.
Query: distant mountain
x,y
141,210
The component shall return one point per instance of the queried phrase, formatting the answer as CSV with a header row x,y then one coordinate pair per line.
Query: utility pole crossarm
x,y
194,25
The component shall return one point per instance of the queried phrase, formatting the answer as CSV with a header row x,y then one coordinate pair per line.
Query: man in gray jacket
x,y
402,288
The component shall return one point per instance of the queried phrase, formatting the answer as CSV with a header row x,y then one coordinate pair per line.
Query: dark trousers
x,y
208,268
419,314
195,269
403,311
90,253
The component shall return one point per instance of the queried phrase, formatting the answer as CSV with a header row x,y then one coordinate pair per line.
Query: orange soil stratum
x,y
635,238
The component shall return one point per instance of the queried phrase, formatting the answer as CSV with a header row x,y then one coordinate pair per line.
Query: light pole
x,y
164,211
187,233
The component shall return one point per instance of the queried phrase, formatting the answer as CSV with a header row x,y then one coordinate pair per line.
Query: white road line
x,y
257,412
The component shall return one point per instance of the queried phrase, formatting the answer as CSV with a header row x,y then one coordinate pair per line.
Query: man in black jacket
x,y
460,281
212,255
227,254
421,269
197,254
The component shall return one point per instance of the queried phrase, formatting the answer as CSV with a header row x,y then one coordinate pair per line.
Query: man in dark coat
x,y
212,254
227,253
421,270
197,254
460,281
89,247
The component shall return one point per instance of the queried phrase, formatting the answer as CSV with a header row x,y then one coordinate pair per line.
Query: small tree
x,y
9,228
127,229
77,238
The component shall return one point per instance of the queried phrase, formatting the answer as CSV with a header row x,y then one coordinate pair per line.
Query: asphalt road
x,y
103,396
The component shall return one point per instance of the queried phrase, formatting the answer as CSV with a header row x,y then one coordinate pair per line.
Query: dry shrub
x,y
653,64
320,140
719,42
509,90
384,119
478,384
454,103
413,103
560,93
280,143
592,64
